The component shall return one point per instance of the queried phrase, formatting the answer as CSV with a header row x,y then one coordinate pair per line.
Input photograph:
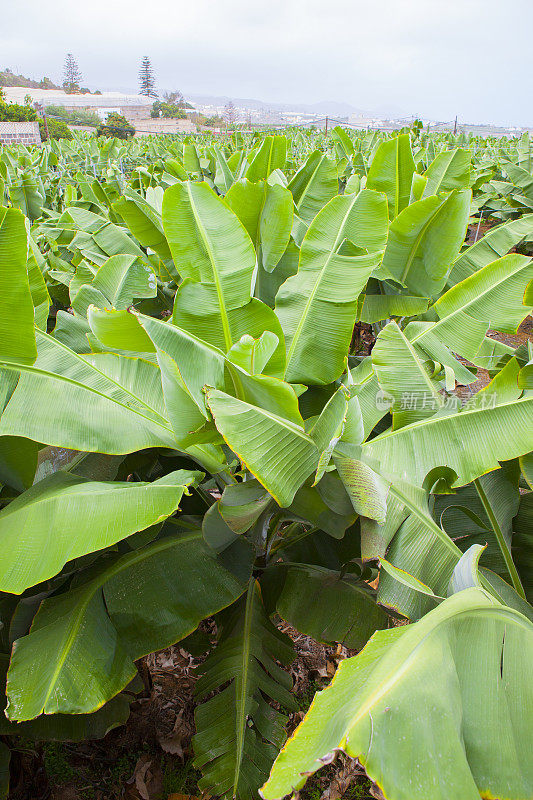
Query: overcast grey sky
x,y
430,57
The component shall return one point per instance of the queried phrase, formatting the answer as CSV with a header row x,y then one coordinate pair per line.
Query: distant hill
x,y
326,107
8,78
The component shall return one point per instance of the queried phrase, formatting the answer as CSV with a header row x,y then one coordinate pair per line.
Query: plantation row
x,y
192,427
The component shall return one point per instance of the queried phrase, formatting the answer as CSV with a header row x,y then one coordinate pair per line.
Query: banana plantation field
x,y
241,408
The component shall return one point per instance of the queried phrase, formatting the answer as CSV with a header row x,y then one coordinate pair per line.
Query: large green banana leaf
x,y
70,727
17,336
276,450
471,442
314,185
391,171
117,283
486,508
82,644
27,195
449,170
328,607
238,732
491,297
18,462
101,236
522,179
344,146
317,306
366,489
424,239
271,155
198,363
213,251
117,330
223,174
436,710
418,548
100,403
144,221
404,377
39,293
377,307
525,152
211,248
36,528
523,543
267,213
195,312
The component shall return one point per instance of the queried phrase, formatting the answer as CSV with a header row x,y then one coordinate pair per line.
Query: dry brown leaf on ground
x,y
146,782
349,772
175,741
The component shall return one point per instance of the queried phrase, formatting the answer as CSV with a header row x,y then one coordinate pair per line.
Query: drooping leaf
x,y
118,615
471,442
144,221
100,403
424,717
406,378
36,527
328,607
496,243
276,451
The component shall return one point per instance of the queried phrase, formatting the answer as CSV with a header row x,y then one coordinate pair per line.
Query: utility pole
x,y
326,132
455,127
45,124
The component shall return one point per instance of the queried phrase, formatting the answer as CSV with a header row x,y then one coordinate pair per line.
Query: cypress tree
x,y
146,78
72,76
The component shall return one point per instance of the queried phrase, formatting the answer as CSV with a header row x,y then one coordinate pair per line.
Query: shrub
x,y
13,112
57,129
167,110
116,126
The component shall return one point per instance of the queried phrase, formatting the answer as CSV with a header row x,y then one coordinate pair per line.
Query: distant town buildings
x,y
136,108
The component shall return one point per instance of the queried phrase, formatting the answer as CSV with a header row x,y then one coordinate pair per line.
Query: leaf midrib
x,y
226,328
92,588
243,684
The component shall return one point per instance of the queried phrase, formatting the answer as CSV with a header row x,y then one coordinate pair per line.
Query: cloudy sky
x,y
430,57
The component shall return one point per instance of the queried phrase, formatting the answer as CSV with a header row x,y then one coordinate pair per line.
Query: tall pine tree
x,y
146,78
71,75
